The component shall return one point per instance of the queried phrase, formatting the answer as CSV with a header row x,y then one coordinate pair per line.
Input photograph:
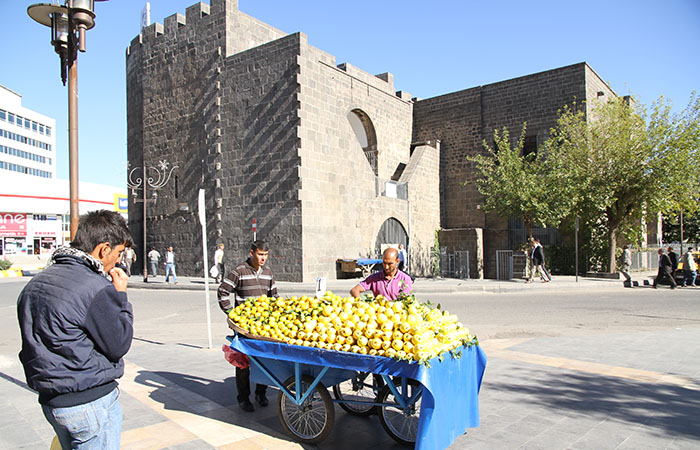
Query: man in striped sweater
x,y
248,279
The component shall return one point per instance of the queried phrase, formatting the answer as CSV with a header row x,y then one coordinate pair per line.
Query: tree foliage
x,y
610,166
515,184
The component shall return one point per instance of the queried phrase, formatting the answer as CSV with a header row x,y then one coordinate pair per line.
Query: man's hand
x,y
356,291
119,279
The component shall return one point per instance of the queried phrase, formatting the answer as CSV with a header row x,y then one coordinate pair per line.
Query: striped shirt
x,y
244,282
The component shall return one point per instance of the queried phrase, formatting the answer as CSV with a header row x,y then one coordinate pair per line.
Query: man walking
x,y
219,262
76,325
403,258
625,264
248,279
673,256
153,258
170,265
664,270
537,257
690,268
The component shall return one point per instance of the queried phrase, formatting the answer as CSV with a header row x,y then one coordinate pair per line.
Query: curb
x,y
11,273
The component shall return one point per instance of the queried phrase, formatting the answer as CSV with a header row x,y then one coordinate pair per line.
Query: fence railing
x,y
504,264
454,264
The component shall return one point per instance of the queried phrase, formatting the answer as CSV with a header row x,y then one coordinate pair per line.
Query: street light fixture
x,y
64,21
161,177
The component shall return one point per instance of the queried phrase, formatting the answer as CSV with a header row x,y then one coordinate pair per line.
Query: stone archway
x,y
392,232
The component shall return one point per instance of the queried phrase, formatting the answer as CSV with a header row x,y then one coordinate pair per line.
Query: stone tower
x,y
319,154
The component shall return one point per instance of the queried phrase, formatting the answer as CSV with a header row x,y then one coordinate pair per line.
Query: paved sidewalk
x,y
421,286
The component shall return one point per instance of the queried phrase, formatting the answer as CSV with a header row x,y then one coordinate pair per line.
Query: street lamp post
x,y
68,25
161,177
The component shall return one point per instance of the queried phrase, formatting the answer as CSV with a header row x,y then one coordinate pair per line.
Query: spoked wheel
x,y
363,387
312,421
401,423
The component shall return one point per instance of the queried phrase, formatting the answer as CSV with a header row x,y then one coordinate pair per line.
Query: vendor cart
x,y
363,266
426,405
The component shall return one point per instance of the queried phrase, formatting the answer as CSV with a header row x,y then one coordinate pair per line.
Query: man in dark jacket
x,y
665,269
537,258
76,325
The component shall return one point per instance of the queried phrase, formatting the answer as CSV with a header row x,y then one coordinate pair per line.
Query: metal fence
x,y
504,264
454,264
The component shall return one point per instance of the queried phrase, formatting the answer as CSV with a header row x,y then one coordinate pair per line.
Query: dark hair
x,y
101,226
259,245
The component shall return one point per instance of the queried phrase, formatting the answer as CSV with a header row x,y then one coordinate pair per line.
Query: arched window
x,y
366,136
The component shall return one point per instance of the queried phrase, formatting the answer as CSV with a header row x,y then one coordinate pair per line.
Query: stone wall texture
x,y
261,121
462,121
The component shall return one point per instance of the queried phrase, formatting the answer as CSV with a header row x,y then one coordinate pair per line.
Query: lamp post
x,y
68,25
161,176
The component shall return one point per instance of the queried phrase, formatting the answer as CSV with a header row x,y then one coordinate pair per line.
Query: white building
x,y
34,217
34,205
27,139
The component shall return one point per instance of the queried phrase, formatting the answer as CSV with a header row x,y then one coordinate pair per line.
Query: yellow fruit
x,y
376,343
387,325
362,341
397,344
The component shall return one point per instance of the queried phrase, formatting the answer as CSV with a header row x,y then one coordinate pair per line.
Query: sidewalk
x,y
421,286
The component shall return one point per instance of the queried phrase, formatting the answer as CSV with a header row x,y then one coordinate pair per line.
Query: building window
x,y
3,114
27,124
35,126
530,145
11,118
366,136
48,132
41,129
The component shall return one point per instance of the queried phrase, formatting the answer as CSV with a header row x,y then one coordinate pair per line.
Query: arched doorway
x,y
391,232
366,136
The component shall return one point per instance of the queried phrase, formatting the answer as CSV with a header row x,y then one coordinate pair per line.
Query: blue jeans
x,y
170,268
95,425
154,268
689,278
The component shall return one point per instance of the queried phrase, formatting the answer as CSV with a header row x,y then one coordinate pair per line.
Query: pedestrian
x,y
537,257
690,268
673,256
626,263
219,263
248,279
403,258
170,265
390,282
664,270
153,258
128,258
76,325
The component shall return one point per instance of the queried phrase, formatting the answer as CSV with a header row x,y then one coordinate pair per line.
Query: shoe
x,y
261,399
176,282
246,406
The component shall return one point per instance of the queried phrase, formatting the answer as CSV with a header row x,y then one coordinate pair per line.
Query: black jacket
x,y
673,257
75,327
538,255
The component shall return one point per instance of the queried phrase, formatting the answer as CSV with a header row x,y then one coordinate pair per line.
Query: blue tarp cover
x,y
450,401
367,261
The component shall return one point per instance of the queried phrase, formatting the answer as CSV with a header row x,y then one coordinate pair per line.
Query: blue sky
x,y
641,47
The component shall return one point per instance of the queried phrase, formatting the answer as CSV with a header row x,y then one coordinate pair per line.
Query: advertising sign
x,y
121,203
13,224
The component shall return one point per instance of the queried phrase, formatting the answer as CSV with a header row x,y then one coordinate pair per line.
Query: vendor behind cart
x,y
390,282
248,279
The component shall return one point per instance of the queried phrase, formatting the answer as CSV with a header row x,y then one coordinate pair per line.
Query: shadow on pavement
x,y
670,409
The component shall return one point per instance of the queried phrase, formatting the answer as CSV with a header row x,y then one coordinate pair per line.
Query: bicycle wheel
x,y
363,387
312,421
400,423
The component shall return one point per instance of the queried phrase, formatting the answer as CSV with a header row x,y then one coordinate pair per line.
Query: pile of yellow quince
x,y
404,329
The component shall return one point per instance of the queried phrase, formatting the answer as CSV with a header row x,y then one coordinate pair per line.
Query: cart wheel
x,y
360,388
311,421
402,425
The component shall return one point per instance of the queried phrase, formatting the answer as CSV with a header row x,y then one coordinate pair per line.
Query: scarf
x,y
89,260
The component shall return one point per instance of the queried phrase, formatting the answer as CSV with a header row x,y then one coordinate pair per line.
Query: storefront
x,y
29,234
13,233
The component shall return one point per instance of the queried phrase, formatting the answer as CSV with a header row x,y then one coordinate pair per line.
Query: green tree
x,y
517,184
621,164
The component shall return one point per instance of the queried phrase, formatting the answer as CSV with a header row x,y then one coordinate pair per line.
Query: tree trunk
x,y
528,226
612,246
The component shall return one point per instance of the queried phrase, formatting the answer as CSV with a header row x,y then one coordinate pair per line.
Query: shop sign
x,y
13,224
